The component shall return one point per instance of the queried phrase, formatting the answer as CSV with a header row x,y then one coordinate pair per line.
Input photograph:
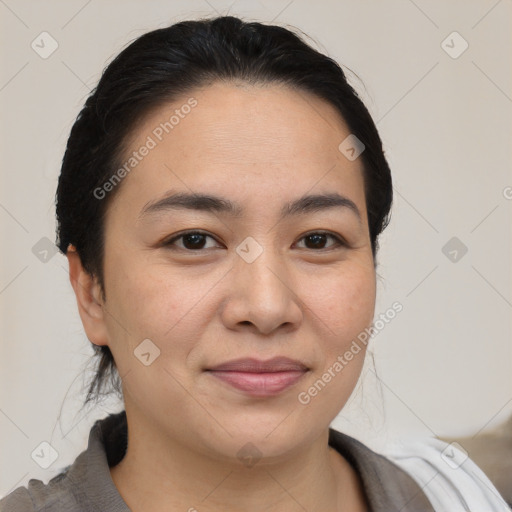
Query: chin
x,y
268,439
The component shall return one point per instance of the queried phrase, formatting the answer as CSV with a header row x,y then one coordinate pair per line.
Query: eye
x,y
197,240
318,239
191,240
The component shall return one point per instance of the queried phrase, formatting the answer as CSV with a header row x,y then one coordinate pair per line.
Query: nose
x,y
261,295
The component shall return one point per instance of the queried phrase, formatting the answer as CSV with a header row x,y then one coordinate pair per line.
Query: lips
x,y
260,378
277,364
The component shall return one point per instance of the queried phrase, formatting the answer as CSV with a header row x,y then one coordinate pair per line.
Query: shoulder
x,y
18,500
449,478
84,485
56,495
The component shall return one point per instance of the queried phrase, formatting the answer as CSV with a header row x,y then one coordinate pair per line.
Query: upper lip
x,y
249,364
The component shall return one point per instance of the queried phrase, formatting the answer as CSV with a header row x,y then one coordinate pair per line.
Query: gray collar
x,y
387,487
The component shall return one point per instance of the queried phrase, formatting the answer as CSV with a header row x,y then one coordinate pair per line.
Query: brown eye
x,y
194,241
319,240
191,241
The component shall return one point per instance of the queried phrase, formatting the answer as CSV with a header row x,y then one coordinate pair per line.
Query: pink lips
x,y
260,378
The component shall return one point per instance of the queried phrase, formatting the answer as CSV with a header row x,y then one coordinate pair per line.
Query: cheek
x,y
148,302
344,308
343,302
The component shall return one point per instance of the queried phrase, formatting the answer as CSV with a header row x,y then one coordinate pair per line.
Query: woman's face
x,y
259,281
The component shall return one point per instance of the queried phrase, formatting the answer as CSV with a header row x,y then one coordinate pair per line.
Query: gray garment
x,y
86,485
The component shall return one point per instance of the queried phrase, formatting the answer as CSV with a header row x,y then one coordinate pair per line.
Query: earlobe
x,y
89,299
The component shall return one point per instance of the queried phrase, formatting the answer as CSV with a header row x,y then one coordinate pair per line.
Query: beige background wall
x,y
444,363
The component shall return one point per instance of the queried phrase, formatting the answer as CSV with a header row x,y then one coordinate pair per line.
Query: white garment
x,y
449,478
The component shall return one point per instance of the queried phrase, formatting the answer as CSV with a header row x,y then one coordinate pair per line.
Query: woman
x,y
219,203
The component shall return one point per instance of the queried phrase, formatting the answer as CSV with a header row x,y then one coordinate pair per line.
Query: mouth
x,y
260,378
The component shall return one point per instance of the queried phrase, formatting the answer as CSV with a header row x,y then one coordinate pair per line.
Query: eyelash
x,y
340,242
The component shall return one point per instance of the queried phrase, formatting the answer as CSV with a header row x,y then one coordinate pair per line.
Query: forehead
x,y
238,139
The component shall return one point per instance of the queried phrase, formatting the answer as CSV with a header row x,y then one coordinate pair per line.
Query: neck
x,y
157,474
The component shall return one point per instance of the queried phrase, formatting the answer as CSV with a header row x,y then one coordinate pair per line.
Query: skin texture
x,y
260,146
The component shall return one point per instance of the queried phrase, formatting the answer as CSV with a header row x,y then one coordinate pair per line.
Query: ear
x,y
89,299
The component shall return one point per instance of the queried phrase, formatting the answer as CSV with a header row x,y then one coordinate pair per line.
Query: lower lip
x,y
259,384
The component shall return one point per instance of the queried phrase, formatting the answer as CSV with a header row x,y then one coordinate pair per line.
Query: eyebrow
x,y
214,204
